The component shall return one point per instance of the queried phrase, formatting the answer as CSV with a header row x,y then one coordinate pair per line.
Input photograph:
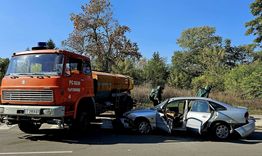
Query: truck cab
x,y
45,86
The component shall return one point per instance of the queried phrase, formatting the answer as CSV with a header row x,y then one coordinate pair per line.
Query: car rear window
x,y
217,107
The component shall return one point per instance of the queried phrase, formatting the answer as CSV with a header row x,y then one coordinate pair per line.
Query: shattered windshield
x,y
159,106
36,64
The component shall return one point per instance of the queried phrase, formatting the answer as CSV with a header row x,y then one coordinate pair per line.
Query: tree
x,y
179,78
195,39
258,56
215,70
245,80
234,78
255,26
156,70
50,44
200,46
131,68
235,55
3,66
100,36
252,84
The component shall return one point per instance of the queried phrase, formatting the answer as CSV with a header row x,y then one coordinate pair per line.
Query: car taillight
x,y
246,115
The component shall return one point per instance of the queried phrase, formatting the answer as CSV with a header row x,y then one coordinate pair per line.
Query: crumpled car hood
x,y
143,112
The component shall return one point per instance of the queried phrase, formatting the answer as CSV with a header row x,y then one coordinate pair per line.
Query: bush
x,y
245,80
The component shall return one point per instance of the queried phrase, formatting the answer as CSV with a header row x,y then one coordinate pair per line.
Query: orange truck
x,y
59,87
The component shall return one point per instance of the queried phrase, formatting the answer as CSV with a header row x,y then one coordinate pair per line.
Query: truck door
x,y
199,113
72,82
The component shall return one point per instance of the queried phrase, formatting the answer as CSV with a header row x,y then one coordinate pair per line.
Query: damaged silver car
x,y
194,114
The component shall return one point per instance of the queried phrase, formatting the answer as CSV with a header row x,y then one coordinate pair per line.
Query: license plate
x,y
32,111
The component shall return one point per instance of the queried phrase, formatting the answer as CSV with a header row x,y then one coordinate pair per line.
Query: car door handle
x,y
204,116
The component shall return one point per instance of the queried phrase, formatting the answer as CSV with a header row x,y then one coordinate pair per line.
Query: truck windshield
x,y
36,64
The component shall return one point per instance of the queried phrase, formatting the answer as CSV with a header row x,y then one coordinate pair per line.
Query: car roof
x,y
200,98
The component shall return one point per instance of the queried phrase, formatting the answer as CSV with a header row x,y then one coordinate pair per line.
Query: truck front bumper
x,y
32,111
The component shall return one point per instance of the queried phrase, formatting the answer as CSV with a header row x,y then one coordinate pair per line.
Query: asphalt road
x,y
105,141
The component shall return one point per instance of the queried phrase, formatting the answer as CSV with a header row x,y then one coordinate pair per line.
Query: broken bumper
x,y
246,129
127,123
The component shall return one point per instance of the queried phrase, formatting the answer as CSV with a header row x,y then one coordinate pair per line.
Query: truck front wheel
x,y
83,121
29,127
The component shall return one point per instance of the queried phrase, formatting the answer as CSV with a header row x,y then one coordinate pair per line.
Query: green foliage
x,y
235,55
3,66
255,26
204,61
131,68
241,80
198,38
212,60
252,84
188,62
179,79
215,79
156,70
182,70
51,44
258,56
196,65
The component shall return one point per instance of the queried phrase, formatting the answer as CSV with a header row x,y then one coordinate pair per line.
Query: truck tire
x,y
85,114
29,127
83,121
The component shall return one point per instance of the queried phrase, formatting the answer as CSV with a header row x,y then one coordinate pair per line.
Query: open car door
x,y
199,113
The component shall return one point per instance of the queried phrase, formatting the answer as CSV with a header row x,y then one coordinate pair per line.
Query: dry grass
x,y
140,94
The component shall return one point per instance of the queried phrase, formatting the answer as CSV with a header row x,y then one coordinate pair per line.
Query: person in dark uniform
x,y
156,95
204,92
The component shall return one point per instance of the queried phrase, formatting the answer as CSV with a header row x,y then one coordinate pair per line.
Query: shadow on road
x,y
98,136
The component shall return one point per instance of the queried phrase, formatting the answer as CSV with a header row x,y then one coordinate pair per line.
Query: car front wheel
x,y
143,127
221,131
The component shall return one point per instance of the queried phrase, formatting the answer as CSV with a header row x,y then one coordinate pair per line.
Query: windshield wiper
x,y
40,74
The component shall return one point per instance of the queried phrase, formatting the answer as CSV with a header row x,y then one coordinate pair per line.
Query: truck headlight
x,y
47,111
2,110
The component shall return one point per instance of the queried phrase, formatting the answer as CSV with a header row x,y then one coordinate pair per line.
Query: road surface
x,y
107,142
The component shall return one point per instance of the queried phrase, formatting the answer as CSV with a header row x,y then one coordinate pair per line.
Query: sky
x,y
155,24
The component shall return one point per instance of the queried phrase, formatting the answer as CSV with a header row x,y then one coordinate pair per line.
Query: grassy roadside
x,y
140,94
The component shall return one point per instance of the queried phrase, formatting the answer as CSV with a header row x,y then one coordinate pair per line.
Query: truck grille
x,y
28,95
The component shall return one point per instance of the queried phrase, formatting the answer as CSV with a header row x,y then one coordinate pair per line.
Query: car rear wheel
x,y
143,127
221,131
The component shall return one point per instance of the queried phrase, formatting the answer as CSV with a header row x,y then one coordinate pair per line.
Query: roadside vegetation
x,y
205,58
141,92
